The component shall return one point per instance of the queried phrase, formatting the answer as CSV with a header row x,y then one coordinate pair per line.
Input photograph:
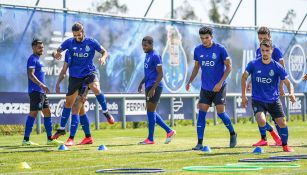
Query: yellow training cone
x,y
24,165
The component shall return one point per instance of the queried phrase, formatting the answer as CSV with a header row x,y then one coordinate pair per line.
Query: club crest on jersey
x,y
214,56
87,48
271,73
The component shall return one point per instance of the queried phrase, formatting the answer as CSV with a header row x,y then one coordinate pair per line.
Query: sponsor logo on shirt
x,y
208,63
259,72
264,80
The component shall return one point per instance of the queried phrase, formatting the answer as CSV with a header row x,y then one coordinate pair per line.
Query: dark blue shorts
x,y
274,109
38,101
156,97
80,84
209,97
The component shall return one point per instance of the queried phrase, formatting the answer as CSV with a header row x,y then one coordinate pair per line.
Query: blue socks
x,y
277,128
151,125
227,122
65,117
201,124
284,135
85,123
102,101
29,126
268,127
262,132
48,126
161,123
74,125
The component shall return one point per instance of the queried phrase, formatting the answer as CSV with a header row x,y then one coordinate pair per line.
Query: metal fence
x,y
230,97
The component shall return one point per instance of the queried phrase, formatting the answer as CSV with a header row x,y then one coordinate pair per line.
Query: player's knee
x,y
281,122
33,113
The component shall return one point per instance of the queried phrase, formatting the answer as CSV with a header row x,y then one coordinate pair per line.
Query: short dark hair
x,y
77,27
266,43
36,41
264,31
148,39
205,30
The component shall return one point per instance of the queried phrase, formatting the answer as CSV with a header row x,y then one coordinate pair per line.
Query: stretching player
x,y
37,92
215,64
153,89
265,75
82,51
76,112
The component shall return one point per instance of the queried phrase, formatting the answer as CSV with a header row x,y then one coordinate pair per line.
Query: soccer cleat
x,y
86,140
170,136
198,147
29,143
276,138
286,148
69,142
233,141
261,143
146,142
110,118
54,142
58,133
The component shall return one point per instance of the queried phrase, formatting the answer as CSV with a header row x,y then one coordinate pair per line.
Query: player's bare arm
x,y
151,92
193,75
61,77
104,54
243,87
141,86
290,90
33,78
219,85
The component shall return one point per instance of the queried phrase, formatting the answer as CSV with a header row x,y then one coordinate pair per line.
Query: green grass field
x,y
125,153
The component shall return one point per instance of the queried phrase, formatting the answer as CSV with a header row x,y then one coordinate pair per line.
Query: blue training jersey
x,y
276,55
81,56
35,63
152,60
265,79
211,61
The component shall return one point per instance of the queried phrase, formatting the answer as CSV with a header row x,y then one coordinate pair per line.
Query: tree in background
x,y
110,6
185,12
214,13
288,19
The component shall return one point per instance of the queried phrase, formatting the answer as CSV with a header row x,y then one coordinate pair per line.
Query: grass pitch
x,y
123,151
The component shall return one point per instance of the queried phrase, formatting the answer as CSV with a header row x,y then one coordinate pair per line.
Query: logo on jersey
x,y
271,73
297,63
264,80
75,48
214,56
208,63
87,48
259,72
201,56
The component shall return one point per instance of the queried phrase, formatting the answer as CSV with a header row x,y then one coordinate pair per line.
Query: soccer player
x,y
37,92
265,34
265,75
82,51
215,64
76,112
153,89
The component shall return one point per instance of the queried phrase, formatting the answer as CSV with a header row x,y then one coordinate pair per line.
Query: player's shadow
x,y
167,151
27,151
121,145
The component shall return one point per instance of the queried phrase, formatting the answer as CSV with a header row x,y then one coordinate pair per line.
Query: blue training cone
x,y
206,149
62,148
258,150
102,148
